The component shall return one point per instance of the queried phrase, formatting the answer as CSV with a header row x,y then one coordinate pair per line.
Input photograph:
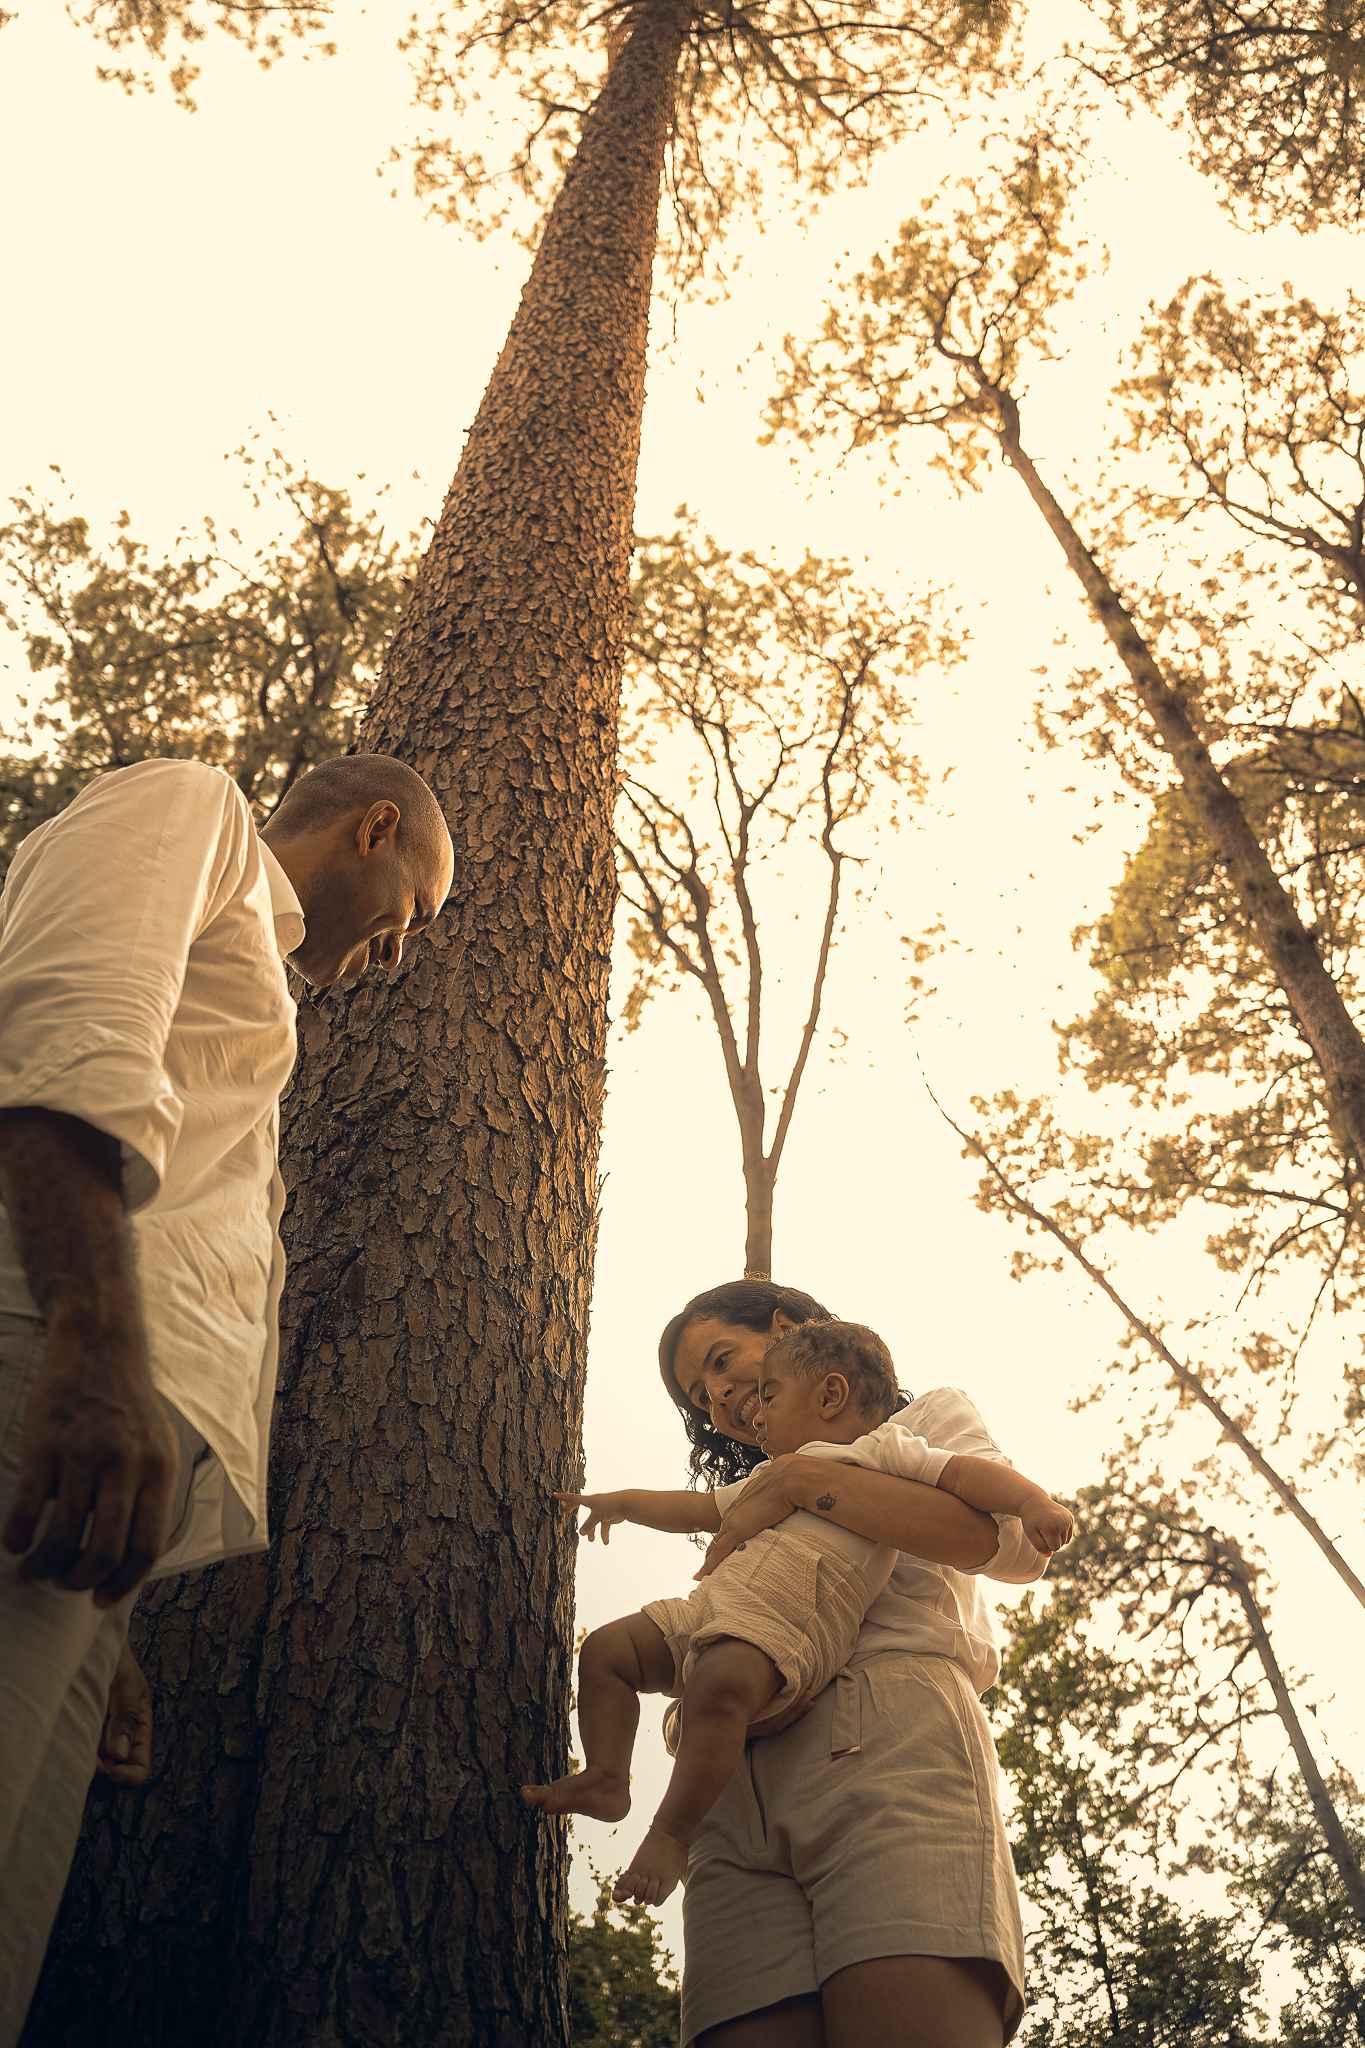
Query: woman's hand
x,y
764,1503
605,1510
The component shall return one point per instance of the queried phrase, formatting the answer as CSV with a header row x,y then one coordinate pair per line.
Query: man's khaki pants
x,y
58,1655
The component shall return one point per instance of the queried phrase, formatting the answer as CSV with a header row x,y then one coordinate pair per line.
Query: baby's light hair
x,y
848,1348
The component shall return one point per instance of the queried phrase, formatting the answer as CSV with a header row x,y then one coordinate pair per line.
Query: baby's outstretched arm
x,y
999,1490
678,1514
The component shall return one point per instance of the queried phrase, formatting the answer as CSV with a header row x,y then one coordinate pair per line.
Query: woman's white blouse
x,y
142,988
933,1608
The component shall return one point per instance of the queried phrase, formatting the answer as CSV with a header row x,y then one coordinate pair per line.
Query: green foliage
x,y
963,300
1294,1908
1270,93
764,733
798,91
1114,1958
1145,1572
1228,515
1246,422
152,38
623,1989
254,658
1171,1874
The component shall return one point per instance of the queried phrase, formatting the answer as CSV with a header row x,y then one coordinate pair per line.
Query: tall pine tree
x,y
336,1851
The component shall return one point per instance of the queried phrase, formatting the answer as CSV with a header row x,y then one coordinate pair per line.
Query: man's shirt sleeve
x,y
99,911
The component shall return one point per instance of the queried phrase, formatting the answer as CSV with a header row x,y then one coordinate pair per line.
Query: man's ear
x,y
780,1323
379,823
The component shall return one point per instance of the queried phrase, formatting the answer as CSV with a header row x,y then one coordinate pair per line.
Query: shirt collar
x,y
284,904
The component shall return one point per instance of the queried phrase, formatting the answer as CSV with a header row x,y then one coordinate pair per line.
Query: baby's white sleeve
x,y
726,1496
893,1448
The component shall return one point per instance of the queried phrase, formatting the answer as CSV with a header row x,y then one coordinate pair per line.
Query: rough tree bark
x,y
1314,998
334,1850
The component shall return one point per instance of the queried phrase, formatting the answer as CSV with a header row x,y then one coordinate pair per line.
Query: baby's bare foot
x,y
655,1870
599,1794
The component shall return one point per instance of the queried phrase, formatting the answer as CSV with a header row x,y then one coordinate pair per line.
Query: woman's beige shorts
x,y
801,1606
871,1827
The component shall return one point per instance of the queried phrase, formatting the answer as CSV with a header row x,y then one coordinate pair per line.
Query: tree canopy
x,y
1228,507
1243,523
623,1988
794,90
253,657
802,90
765,737
1268,90
1269,95
149,40
765,725
1176,1878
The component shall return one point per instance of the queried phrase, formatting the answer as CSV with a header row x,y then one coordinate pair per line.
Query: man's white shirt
x,y
143,933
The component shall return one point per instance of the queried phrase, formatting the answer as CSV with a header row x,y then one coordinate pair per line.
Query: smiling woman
x,y
853,1883
709,1356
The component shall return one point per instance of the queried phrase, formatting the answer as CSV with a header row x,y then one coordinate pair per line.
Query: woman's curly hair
x,y
716,1460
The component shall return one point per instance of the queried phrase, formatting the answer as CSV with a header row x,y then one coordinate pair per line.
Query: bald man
x,y
146,1032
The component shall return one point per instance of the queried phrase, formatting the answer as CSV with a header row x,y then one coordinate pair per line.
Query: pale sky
x,y
175,280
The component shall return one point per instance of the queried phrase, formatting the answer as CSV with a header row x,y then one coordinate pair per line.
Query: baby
x,y
748,1651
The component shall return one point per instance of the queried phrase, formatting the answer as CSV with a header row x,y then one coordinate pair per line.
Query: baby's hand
x,y
605,1510
1047,1524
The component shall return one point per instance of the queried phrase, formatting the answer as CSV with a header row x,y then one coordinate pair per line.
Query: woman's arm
x,y
950,1418
906,1513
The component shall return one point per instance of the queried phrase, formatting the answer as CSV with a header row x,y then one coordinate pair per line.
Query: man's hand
x,y
605,1510
764,1503
125,1752
98,1444
1047,1524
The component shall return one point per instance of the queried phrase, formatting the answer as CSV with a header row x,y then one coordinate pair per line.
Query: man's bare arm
x,y
97,1444
61,1182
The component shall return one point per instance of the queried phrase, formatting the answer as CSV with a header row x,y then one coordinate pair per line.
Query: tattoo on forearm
x,y
825,1502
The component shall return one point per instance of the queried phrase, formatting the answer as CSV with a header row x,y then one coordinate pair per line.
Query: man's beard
x,y
329,916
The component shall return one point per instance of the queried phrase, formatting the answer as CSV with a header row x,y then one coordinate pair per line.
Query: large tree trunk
x,y
334,1850
1314,999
